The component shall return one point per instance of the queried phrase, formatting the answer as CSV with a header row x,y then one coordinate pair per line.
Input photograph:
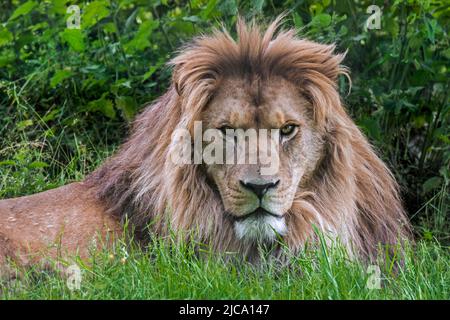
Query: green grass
x,y
171,271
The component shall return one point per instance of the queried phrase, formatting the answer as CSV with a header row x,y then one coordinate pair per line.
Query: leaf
x,y
127,105
298,22
59,6
428,235
419,121
431,184
316,9
206,12
150,72
109,27
142,38
322,20
228,7
7,163
343,31
51,115
6,58
75,39
24,124
431,29
193,19
59,77
37,165
258,5
371,127
49,133
5,36
103,105
23,9
94,12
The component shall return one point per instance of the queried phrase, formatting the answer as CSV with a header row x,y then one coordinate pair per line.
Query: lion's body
x,y
61,222
340,184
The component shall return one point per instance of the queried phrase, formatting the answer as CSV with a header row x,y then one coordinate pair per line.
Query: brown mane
x,y
352,195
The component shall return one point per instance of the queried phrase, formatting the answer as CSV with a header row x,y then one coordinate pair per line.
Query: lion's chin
x,y
260,228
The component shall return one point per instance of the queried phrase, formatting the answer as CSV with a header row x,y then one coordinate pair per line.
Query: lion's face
x,y
258,200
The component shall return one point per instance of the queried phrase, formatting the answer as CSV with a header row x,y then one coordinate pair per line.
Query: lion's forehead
x,y
234,104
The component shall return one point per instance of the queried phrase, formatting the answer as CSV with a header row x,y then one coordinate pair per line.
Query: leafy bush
x,y
67,94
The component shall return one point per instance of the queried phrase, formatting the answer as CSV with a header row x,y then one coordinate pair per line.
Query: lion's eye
x,y
288,130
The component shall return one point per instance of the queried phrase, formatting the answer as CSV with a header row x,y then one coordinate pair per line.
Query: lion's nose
x,y
259,189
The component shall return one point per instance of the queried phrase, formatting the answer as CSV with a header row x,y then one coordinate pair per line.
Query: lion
x,y
329,177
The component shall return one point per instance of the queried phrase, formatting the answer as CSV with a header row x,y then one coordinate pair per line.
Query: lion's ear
x,y
191,75
179,74
323,59
316,68
332,66
196,67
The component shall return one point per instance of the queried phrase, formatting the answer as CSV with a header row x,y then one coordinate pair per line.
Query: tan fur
x,y
56,223
346,191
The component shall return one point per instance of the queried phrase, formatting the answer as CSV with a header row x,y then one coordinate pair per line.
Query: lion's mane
x,y
352,195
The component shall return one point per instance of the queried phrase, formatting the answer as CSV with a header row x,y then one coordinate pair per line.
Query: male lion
x,y
329,176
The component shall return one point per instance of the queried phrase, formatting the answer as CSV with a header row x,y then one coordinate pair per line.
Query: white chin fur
x,y
260,229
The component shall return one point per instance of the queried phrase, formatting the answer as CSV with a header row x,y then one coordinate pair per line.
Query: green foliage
x,y
65,90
